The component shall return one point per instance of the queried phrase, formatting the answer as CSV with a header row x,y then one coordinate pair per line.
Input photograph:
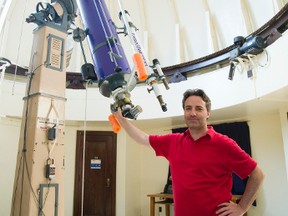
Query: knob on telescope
x,y
239,40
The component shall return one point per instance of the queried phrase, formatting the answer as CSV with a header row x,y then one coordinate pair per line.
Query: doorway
x,y
99,176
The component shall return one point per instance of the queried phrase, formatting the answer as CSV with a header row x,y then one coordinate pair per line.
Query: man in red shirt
x,y
202,162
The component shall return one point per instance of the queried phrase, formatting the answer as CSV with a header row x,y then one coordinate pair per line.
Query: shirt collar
x,y
211,132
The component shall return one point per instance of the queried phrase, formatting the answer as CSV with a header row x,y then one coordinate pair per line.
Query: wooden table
x,y
161,199
165,199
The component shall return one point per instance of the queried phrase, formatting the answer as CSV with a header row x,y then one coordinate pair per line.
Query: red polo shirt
x,y
202,169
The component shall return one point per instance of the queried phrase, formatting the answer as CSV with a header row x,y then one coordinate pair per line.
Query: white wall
x,y
9,135
268,150
154,172
70,153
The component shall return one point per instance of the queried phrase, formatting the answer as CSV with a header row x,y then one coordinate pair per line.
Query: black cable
x,y
23,161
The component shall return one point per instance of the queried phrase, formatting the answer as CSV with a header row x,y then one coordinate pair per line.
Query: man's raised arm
x,y
134,132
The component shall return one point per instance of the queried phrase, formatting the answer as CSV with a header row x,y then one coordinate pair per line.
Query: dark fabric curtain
x,y
238,131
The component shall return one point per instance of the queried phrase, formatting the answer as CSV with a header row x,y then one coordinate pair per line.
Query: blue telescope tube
x,y
111,66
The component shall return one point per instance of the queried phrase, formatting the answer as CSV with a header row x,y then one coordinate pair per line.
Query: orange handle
x,y
140,67
114,123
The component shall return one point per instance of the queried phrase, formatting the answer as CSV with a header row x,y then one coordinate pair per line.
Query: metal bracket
x,y
42,186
